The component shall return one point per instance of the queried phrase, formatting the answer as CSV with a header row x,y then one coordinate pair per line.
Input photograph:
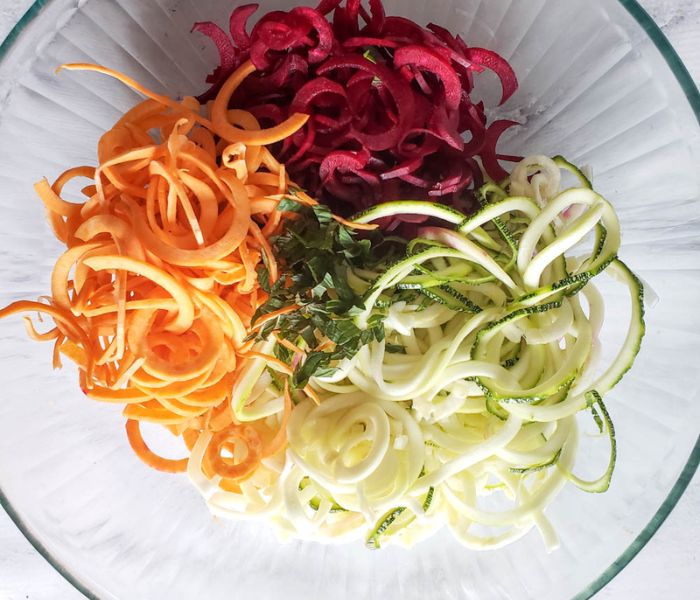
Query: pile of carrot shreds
x,y
154,296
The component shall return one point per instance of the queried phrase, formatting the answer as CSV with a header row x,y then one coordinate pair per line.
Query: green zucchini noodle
x,y
464,415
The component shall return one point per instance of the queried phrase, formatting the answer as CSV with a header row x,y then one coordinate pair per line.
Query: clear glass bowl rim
x,y
692,94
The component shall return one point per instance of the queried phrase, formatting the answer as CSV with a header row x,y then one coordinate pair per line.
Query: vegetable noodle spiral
x,y
340,395
498,329
154,296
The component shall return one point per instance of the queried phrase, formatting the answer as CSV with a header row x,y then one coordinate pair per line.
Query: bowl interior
x,y
594,88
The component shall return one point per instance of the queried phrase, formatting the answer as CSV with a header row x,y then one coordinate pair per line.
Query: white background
x,y
667,568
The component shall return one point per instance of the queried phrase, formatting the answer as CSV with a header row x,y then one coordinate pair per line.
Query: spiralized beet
x,y
227,57
323,30
268,114
391,114
328,6
376,135
238,25
363,42
424,59
489,158
492,61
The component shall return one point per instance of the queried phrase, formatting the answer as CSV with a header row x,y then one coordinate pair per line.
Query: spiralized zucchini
x,y
465,414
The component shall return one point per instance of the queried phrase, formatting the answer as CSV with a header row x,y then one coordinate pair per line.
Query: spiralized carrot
x,y
167,465
271,316
225,467
310,392
126,80
154,294
272,362
261,137
353,225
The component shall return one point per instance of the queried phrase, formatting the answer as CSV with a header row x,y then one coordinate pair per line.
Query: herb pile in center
x,y
317,254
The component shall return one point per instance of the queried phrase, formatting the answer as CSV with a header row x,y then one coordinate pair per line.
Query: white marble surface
x,y
667,568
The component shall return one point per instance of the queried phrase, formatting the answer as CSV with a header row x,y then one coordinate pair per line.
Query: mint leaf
x,y
316,255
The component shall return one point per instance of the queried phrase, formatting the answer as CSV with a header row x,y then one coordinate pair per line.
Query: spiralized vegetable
x,y
389,101
154,295
469,402
473,426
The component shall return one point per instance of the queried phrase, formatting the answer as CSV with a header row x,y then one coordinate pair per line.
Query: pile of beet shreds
x,y
389,101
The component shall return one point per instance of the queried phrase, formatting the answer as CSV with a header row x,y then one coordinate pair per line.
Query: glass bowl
x,y
599,84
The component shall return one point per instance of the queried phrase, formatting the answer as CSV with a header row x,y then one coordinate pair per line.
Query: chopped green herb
x,y
317,254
